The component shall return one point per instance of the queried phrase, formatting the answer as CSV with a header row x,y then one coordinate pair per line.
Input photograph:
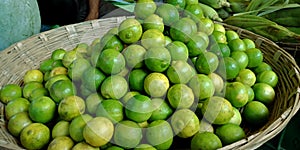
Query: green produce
x,y
285,17
223,13
264,27
259,4
215,3
209,12
238,6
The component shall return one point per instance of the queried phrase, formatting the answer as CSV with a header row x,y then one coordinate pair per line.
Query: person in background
x,y
64,12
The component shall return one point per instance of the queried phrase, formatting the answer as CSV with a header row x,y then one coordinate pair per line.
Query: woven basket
x,y
29,53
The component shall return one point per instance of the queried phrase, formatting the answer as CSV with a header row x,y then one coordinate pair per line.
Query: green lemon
x,y
168,40
194,11
241,58
77,125
85,146
206,25
217,110
262,67
29,87
61,89
203,35
111,61
92,77
136,79
153,22
236,118
220,49
92,102
60,142
181,30
70,56
153,36
128,96
71,107
55,78
46,65
144,147
168,13
162,110
255,57
114,87
228,68
178,51
38,92
180,96
219,27
230,133
9,92
237,45
35,136
237,94
98,131
42,110
249,43
157,59
130,31
191,2
58,54
269,77
139,108
81,48
95,45
59,70
156,84
205,126
219,37
180,72
207,62
127,134
15,106
33,75
231,35
115,148
111,109
57,63
250,93
134,55
264,93
159,134
180,4
217,81
192,23
61,128
202,86
247,77
111,41
18,122
185,123
256,113
144,8
196,45
205,140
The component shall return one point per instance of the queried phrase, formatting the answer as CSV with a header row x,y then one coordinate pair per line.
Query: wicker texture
x,y
29,53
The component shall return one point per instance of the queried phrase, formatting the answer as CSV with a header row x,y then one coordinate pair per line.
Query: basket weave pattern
x,y
29,53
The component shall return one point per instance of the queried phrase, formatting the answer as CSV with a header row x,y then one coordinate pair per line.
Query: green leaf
x,y
276,8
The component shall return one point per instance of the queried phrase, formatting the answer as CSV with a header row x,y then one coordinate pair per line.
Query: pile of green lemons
x,y
167,74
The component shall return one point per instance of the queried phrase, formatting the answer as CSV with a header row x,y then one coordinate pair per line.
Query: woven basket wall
x,y
28,54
